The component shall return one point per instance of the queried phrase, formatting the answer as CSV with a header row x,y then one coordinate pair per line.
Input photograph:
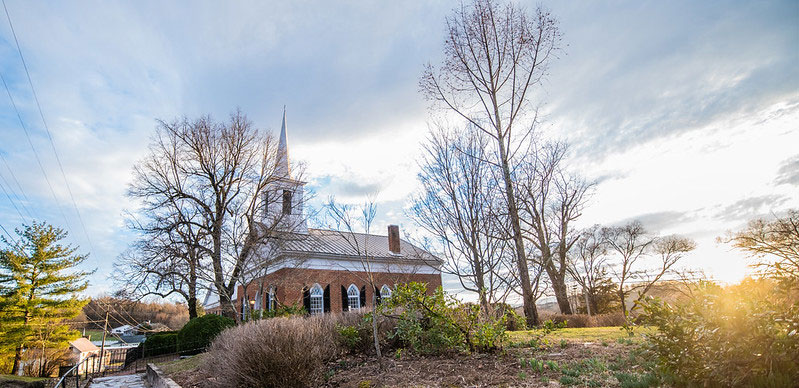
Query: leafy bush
x,y
349,337
199,332
550,326
160,343
743,335
438,323
278,352
513,321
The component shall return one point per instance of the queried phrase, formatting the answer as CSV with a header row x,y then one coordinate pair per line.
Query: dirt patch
x,y
510,368
571,363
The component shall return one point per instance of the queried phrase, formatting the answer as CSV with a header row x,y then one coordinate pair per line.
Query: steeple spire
x,y
283,169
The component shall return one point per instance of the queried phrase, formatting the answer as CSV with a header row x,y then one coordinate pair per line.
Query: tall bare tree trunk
x,y
530,310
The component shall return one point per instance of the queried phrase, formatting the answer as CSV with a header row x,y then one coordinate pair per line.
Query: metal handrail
x,y
75,369
100,365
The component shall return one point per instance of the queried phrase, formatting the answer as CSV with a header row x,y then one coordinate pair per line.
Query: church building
x,y
322,270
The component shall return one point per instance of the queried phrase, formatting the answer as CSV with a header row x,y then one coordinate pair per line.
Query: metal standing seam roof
x,y
332,242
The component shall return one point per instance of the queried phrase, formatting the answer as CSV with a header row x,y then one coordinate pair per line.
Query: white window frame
x,y
385,292
270,298
317,299
353,297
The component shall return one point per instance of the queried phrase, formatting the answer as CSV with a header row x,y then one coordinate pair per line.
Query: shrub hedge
x,y
160,343
198,333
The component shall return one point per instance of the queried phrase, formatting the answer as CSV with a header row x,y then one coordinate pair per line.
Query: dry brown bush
x,y
284,352
584,320
277,352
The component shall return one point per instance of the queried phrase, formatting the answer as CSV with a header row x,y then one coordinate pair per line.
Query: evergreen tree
x,y
39,284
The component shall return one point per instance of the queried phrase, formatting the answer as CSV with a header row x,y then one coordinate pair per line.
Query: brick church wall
x,y
290,282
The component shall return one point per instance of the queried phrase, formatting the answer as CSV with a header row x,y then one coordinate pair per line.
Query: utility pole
x,y
102,346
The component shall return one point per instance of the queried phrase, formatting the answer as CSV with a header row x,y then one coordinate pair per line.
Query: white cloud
x,y
682,105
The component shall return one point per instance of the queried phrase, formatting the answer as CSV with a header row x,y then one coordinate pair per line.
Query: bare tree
x,y
455,206
587,264
669,250
630,242
551,199
166,260
213,176
495,56
777,238
348,225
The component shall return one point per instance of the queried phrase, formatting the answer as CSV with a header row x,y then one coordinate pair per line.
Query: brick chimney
x,y
393,239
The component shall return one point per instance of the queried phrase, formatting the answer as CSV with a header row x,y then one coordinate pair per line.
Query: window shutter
x,y
306,299
344,302
363,296
274,298
326,297
377,295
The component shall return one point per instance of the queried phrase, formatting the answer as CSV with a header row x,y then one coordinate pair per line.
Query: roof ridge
x,y
341,232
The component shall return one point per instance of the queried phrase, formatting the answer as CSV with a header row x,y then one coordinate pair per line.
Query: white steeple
x,y
284,197
282,169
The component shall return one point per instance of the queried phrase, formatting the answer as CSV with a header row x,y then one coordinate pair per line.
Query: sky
x,y
684,112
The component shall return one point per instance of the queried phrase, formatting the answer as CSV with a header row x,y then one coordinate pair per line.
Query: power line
x,y
14,178
46,127
11,237
36,153
2,187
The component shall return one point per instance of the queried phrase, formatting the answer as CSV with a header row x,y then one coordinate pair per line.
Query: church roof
x,y
352,245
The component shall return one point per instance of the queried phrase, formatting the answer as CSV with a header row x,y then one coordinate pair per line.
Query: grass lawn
x,y
586,334
182,365
95,335
20,378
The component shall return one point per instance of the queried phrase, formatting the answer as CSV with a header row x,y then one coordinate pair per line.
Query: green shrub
x,y
160,343
438,323
198,333
743,335
349,337
513,321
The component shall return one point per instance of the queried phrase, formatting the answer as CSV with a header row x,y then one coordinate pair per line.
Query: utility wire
x,y
10,236
36,153
47,129
13,203
14,178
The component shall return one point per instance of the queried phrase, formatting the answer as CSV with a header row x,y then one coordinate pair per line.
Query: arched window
x,y
354,297
257,305
270,299
385,292
317,301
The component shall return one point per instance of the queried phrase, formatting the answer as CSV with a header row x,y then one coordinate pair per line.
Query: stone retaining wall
x,y
157,379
